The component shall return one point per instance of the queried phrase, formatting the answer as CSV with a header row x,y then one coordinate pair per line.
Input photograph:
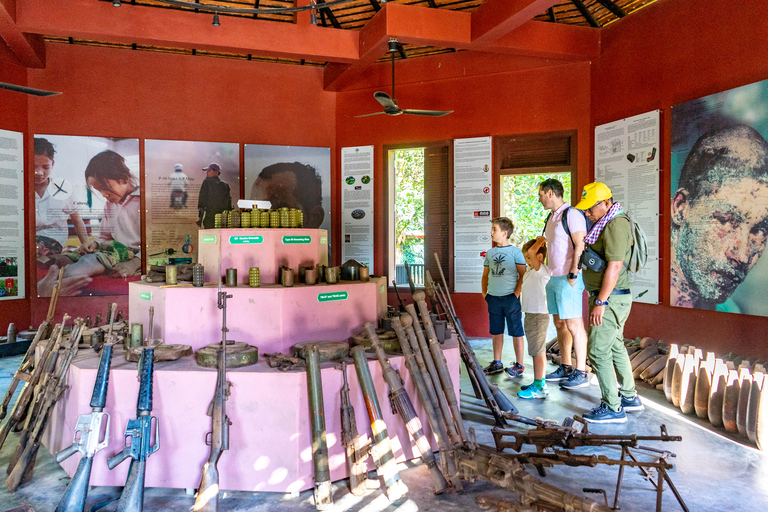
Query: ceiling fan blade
x,y
368,115
384,99
432,113
27,90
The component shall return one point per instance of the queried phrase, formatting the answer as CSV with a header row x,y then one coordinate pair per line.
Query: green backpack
x,y
638,252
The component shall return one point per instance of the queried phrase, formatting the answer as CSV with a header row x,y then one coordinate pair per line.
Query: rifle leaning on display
x,y
139,431
24,373
49,390
88,432
356,451
218,438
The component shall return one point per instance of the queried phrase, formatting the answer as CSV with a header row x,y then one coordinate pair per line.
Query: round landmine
x,y
388,340
328,350
163,353
238,355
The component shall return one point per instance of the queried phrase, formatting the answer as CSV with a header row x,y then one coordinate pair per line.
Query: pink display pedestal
x,y
268,249
271,317
270,437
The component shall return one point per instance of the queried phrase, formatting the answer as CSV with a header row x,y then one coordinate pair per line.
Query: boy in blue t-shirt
x,y
502,283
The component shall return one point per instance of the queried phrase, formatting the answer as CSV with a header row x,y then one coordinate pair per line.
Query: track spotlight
x,y
116,3
216,19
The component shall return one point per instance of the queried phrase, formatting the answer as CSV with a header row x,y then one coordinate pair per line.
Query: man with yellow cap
x,y
610,301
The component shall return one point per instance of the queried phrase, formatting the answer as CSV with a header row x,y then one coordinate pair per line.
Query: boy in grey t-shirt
x,y
502,282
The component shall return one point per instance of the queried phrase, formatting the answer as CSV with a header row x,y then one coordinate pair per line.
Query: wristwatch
x,y
599,302
571,275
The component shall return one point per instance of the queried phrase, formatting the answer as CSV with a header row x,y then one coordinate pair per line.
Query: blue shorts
x,y
563,299
505,308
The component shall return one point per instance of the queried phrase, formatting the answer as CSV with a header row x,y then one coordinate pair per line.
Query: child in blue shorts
x,y
502,283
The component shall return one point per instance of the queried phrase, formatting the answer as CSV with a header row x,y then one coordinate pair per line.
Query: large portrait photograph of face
x,y
87,214
719,202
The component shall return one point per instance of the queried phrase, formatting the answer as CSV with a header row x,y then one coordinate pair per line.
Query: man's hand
x,y
596,316
126,268
69,285
572,282
88,248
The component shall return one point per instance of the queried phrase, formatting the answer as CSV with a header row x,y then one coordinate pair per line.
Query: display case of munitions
x,y
270,437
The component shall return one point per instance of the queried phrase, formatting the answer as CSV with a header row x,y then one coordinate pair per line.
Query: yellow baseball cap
x,y
593,193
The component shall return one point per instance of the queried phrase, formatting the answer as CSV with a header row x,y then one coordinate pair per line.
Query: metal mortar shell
x,y
217,221
254,277
245,219
287,277
274,219
12,332
137,335
198,275
231,277
170,274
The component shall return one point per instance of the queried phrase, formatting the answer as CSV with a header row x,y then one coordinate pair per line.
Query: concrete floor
x,y
713,470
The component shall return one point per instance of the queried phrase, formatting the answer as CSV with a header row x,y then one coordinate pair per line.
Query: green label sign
x,y
288,239
323,240
208,239
145,295
383,290
328,297
253,239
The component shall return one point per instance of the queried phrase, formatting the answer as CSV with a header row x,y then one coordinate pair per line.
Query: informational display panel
x,y
472,203
88,214
11,215
627,160
184,189
719,201
292,177
357,205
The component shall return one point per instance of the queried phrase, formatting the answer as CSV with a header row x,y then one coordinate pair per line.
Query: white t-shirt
x,y
533,297
559,246
53,210
178,181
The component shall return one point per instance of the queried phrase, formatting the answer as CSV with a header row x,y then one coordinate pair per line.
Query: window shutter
x,y
438,206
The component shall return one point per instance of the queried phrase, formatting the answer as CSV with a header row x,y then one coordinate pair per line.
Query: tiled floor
x,y
713,470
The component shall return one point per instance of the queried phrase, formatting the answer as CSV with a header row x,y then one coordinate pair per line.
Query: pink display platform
x,y
270,438
272,317
268,249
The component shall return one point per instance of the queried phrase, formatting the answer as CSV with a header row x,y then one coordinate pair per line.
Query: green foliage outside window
x,y
409,205
520,202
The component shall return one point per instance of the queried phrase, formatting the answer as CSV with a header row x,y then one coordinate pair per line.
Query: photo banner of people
x,y
188,183
88,214
293,177
719,203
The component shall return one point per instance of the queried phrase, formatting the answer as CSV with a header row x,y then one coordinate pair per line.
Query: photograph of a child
x,y
88,218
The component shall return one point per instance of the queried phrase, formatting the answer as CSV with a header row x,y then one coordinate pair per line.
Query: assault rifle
x,y
356,451
218,438
139,431
88,432
51,387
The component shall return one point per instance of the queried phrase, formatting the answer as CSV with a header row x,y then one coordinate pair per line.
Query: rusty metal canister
x,y
321,273
254,277
136,339
12,332
365,274
302,274
287,277
170,274
198,275
231,277
310,276
332,275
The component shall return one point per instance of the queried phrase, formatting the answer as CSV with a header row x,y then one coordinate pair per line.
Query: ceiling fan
x,y
27,90
390,103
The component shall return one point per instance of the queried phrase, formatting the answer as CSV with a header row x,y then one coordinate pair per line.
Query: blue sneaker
x,y
577,379
631,404
494,368
561,373
603,414
515,371
532,391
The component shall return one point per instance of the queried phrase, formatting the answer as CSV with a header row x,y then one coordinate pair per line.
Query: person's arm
x,y
520,274
532,250
578,239
484,281
609,283
82,233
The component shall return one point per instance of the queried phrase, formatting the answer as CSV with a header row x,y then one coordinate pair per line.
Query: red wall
x,y
124,93
13,116
668,53
545,99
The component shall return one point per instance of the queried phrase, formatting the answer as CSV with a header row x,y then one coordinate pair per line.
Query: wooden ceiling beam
x,y
613,7
100,21
494,19
585,12
29,49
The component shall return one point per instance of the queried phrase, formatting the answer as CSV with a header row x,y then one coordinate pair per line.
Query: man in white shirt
x,y
178,181
565,289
